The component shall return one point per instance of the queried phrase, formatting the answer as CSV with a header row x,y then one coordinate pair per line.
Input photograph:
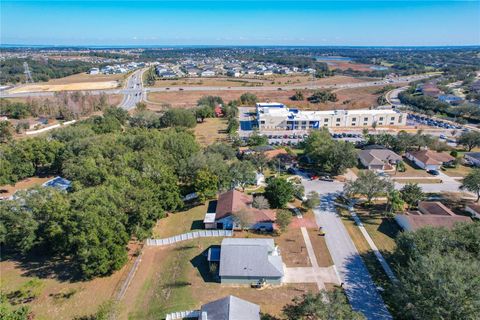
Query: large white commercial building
x,y
276,116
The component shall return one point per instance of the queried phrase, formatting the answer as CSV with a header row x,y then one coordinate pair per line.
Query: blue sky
x,y
240,22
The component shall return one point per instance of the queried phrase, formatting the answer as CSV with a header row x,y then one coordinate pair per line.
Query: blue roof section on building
x,y
58,183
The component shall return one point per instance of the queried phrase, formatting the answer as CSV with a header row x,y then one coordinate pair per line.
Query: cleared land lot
x,y
357,98
266,81
81,81
8,190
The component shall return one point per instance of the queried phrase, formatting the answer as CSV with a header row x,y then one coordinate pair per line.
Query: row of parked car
x,y
347,135
432,123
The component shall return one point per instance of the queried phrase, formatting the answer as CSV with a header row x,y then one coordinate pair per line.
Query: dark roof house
x,y
430,213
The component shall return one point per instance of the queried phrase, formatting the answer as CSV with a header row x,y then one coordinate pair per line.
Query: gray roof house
x,y
230,308
378,159
246,261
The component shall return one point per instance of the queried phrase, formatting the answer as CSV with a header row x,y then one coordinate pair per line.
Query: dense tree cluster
x,y
41,70
124,178
322,96
438,273
405,141
327,155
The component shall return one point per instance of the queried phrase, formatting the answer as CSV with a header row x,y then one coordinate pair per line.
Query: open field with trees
x,y
357,98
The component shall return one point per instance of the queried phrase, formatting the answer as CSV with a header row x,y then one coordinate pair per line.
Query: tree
x,y
243,218
470,140
472,182
259,160
298,96
205,185
328,155
312,201
316,307
369,185
178,118
210,101
260,202
437,271
6,131
223,149
400,166
412,193
279,192
203,112
141,106
256,139
284,217
248,99
322,96
395,203
243,174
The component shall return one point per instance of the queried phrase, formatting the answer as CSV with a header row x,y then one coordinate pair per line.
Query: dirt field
x,y
357,98
254,81
65,87
344,65
177,278
8,190
84,77
210,131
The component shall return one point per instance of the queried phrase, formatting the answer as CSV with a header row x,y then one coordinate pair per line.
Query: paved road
x,y
358,284
129,90
135,94
448,184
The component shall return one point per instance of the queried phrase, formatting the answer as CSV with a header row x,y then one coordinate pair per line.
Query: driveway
x,y
448,184
357,283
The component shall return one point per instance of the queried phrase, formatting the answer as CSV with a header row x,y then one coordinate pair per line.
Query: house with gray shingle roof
x,y
230,308
247,261
378,159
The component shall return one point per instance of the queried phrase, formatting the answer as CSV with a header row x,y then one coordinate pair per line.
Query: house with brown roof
x,y
233,206
429,214
431,90
429,159
379,159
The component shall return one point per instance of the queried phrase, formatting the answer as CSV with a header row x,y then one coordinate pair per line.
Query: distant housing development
x,y
276,116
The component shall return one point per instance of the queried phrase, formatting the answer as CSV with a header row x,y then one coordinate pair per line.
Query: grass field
x,y
210,131
418,180
180,222
459,171
265,81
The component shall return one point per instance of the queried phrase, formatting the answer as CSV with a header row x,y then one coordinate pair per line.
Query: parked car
x,y
433,172
326,178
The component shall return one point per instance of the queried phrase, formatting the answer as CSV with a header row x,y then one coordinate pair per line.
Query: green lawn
x,y
459,171
180,222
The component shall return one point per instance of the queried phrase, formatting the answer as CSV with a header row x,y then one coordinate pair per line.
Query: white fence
x,y
189,236
192,314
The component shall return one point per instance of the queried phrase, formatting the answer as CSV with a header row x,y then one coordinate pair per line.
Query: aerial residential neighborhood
x,y
239,160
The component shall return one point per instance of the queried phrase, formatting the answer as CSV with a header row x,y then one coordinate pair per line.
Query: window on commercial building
x,y
392,123
365,119
365,124
353,124
339,119
338,124
326,120
262,122
381,119
392,118
354,119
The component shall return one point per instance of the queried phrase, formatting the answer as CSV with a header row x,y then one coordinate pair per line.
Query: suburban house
x,y
431,90
473,209
430,213
428,159
472,158
227,308
379,159
221,213
230,308
247,261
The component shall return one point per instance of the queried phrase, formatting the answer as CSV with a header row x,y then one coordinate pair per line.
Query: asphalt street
x,y
135,94
357,282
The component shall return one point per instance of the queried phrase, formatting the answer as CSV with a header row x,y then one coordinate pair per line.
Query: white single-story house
x,y
428,159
